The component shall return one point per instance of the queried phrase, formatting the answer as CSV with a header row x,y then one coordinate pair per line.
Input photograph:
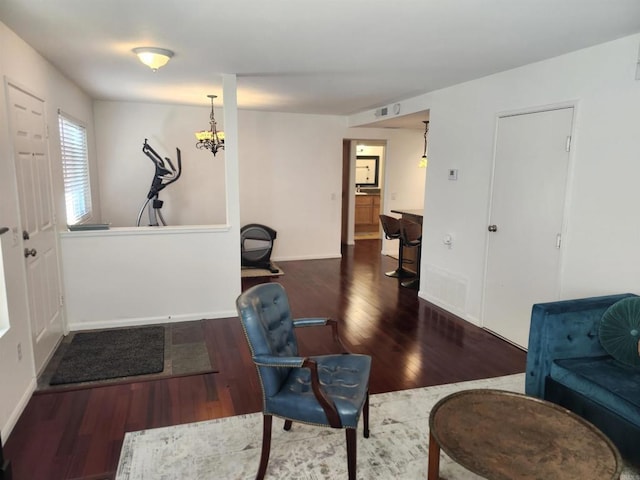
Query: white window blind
x,y
75,169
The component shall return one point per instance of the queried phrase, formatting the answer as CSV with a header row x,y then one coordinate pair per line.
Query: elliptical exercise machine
x,y
256,244
165,174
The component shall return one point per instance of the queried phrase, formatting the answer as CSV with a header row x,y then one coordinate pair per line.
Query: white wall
x,y
290,180
198,197
290,171
602,231
20,64
141,275
148,275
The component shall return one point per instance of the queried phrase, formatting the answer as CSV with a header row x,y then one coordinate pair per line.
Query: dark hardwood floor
x,y
78,434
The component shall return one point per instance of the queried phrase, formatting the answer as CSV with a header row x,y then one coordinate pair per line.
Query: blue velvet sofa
x,y
567,365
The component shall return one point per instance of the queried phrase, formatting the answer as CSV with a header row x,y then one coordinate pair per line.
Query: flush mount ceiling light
x,y
423,160
211,139
152,57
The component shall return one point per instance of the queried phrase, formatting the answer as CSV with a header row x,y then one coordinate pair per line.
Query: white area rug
x,y
229,448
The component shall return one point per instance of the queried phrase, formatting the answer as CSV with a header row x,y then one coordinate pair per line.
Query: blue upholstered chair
x,y
328,390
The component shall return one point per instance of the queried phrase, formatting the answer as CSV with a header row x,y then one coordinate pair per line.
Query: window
x,y
75,169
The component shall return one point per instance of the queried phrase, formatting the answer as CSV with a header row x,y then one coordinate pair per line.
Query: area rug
x,y
111,354
251,272
229,448
181,349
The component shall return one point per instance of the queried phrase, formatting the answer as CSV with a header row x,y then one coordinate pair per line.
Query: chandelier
x,y
211,139
423,160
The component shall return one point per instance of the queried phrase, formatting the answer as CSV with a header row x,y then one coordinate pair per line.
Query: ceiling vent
x,y
382,112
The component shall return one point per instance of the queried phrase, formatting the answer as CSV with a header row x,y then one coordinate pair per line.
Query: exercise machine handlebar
x,y
165,174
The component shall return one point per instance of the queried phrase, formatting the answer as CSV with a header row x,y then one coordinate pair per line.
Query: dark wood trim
x,y
365,416
352,452
325,402
5,465
266,446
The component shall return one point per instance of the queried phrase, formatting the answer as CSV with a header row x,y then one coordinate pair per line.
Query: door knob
x,y
28,253
25,235
493,228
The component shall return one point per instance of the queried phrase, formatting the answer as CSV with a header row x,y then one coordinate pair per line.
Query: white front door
x,y
28,132
525,227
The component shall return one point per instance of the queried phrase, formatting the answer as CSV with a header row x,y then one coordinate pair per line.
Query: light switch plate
x,y
453,174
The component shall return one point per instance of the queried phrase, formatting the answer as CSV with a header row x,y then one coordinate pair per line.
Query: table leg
x,y
434,459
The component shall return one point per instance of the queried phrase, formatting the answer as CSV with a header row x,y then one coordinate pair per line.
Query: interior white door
x,y
525,227
28,132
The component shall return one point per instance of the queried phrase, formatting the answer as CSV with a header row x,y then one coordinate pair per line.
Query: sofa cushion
x,y
605,381
619,331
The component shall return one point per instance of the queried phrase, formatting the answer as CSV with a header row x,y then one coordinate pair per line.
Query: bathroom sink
x,y
369,191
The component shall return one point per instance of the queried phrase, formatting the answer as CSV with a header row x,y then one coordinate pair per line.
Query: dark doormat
x,y
111,354
126,355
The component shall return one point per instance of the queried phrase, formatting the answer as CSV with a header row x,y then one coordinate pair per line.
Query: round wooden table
x,y
504,435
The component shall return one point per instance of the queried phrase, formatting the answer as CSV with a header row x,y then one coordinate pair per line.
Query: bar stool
x,y
391,227
411,236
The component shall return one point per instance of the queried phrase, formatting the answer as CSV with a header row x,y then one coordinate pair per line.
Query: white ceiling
x,y
306,56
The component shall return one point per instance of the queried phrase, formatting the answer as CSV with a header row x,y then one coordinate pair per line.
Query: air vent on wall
x,y
382,112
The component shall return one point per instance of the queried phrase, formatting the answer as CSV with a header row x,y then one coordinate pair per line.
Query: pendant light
x,y
423,160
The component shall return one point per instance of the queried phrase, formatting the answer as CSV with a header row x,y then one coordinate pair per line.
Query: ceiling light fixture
x,y
423,160
211,139
152,57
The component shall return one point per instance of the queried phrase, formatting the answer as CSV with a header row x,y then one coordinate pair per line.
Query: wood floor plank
x,y
78,434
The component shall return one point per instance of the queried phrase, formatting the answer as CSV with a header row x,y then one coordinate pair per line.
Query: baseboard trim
x,y
135,322
449,308
7,428
306,257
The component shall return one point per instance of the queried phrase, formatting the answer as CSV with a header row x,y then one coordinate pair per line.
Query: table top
x,y
414,213
505,435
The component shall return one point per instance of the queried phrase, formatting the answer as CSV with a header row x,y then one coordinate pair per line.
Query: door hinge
x,y
61,300
568,145
558,240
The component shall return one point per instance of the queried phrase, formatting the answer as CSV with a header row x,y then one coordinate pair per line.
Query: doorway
x,y
31,157
362,191
526,219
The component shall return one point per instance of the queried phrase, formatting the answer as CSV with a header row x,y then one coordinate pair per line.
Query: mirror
x,y
367,170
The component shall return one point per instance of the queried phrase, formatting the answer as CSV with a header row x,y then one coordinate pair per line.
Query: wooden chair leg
x,y
266,446
351,452
365,416
287,425
434,459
